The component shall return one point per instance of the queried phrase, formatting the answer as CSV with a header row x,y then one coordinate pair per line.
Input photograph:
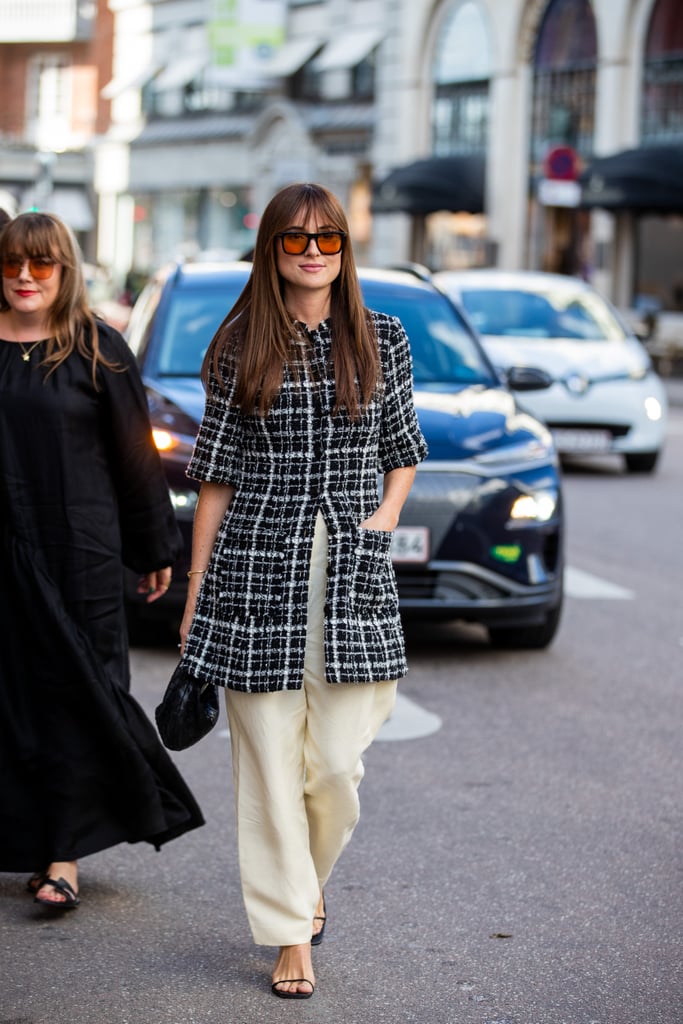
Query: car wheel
x,y
530,638
641,462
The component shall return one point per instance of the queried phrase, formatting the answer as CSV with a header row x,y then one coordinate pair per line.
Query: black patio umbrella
x,y
645,179
453,183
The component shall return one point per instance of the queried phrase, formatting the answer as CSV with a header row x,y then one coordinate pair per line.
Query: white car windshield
x,y
511,313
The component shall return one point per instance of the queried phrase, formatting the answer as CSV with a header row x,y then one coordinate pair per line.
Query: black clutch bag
x,y
188,710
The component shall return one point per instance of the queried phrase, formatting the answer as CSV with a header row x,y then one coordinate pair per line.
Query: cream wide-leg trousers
x,y
296,759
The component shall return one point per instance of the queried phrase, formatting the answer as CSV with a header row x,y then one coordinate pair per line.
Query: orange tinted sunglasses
x,y
40,267
295,243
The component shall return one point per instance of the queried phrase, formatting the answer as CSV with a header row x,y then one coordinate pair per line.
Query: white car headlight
x,y
653,408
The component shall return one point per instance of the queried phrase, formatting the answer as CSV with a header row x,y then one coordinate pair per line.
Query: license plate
x,y
569,441
410,544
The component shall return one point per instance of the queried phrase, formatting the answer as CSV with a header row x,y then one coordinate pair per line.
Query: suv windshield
x,y
443,350
193,318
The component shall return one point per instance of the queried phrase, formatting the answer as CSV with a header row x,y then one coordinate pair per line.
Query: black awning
x,y
452,183
645,180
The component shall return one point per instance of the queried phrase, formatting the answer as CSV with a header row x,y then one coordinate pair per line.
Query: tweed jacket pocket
x,y
371,582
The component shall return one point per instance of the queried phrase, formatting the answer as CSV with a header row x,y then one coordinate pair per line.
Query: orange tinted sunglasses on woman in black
x,y
295,243
40,267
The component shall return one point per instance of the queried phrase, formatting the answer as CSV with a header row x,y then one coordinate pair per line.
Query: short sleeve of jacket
x,y
401,441
216,453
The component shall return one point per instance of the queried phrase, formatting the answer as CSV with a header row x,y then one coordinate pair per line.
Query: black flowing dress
x,y
82,493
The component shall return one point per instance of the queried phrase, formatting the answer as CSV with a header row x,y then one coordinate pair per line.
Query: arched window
x,y
661,118
562,126
460,76
564,80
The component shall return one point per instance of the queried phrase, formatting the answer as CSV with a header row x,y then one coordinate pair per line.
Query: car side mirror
x,y
527,378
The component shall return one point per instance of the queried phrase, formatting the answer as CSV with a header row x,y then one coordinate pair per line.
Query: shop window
x,y
460,118
662,95
564,80
358,82
563,113
363,79
306,84
460,111
460,76
562,120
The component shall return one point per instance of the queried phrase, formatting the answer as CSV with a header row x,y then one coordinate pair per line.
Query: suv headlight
x,y
536,506
170,443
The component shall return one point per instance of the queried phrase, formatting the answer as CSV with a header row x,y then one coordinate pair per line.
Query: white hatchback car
x,y
605,396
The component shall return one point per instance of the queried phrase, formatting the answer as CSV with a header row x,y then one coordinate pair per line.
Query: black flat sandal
x,y
71,898
36,881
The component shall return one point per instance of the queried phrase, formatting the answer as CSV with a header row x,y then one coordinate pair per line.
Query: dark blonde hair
x,y
72,326
256,334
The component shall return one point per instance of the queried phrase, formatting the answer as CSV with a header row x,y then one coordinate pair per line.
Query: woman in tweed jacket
x,y
292,602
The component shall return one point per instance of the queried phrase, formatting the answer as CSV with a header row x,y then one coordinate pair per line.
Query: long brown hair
x,y
71,324
256,334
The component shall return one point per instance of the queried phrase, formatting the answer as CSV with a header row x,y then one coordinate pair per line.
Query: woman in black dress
x,y
82,493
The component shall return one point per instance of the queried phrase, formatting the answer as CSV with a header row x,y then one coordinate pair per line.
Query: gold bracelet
x,y
196,572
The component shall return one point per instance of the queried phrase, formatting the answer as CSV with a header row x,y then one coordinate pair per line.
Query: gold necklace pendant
x,y
26,352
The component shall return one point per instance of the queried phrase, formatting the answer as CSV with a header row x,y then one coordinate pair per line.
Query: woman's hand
x,y
397,484
381,519
155,584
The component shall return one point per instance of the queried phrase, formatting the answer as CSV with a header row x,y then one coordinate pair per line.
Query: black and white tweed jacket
x,y
249,628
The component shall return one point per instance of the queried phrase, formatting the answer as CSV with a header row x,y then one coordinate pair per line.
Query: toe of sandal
x,y
71,897
36,881
289,994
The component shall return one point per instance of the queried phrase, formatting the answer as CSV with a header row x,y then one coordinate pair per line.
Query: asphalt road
x,y
518,859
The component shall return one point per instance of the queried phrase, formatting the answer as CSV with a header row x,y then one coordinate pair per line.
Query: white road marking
x,y
578,583
409,721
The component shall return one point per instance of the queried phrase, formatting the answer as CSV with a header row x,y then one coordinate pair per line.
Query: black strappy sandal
x,y
71,898
292,995
318,937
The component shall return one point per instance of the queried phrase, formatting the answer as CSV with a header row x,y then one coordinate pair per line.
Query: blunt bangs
x,y
36,235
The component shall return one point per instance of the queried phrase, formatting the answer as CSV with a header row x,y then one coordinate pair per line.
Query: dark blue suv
x,y
480,537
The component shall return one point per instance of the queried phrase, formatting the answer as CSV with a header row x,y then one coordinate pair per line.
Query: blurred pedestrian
x,y
292,602
81,493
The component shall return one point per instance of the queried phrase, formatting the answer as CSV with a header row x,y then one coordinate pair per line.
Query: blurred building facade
x,y
214,104
55,57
